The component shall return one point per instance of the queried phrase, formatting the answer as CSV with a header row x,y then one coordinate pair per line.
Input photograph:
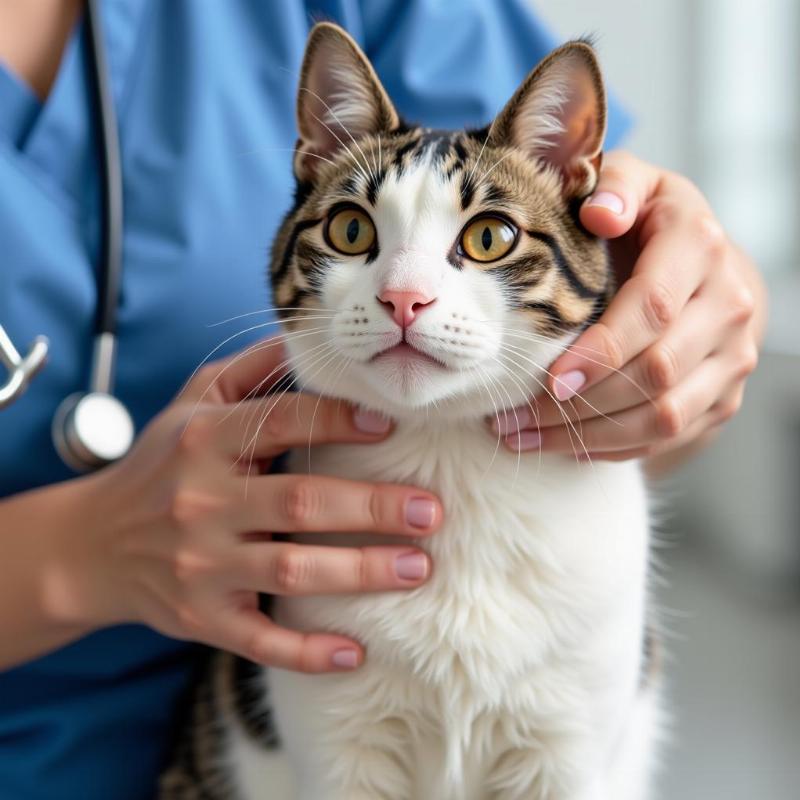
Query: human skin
x,y
666,364
120,546
178,534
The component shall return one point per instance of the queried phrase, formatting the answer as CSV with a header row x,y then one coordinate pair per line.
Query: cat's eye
x,y
350,231
488,238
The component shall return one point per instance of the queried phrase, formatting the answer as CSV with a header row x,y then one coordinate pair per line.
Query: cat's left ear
x,y
558,115
340,99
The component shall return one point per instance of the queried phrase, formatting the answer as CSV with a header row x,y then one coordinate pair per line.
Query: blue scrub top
x,y
205,98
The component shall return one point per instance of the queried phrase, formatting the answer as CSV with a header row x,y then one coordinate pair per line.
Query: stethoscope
x,y
90,429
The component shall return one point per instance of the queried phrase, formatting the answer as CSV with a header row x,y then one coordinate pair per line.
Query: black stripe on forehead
x,y
399,157
376,180
467,190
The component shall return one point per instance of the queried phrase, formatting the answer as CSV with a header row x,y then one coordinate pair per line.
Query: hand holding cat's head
x,y
441,269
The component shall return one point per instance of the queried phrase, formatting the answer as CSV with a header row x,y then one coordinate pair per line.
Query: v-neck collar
x,y
57,138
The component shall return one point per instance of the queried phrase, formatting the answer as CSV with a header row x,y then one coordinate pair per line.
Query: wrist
x,y
77,578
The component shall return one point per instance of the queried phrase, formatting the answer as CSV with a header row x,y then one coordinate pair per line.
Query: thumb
x,y
252,371
624,185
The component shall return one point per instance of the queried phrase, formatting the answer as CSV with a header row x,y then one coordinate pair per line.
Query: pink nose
x,y
405,306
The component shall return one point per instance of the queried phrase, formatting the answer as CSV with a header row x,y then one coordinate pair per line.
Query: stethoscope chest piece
x,y
92,430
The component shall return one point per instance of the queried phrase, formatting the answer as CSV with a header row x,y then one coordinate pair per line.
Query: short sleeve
x,y
449,64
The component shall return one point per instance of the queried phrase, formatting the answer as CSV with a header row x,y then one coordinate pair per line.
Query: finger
x,y
645,424
265,427
668,272
706,423
662,366
256,369
624,185
257,638
286,568
293,503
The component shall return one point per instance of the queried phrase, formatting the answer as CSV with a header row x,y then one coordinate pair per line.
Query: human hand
x,y
667,361
180,534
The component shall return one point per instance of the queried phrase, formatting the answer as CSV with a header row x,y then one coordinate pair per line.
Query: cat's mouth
x,y
405,353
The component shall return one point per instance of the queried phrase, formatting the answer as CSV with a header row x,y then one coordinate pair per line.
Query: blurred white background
x,y
713,85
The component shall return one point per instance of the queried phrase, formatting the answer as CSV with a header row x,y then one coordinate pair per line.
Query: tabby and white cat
x,y
447,269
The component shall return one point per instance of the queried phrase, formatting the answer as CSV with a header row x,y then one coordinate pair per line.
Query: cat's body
x,y
519,670
513,671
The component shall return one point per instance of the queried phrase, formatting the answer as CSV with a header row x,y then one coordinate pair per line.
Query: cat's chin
x,y
411,389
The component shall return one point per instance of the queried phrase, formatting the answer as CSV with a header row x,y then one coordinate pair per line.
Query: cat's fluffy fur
x,y
517,672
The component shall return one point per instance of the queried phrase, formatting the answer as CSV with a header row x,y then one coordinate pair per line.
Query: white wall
x,y
647,60
713,87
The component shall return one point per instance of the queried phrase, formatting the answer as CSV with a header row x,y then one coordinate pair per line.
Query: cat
x,y
432,276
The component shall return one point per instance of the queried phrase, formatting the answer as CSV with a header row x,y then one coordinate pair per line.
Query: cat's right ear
x,y
340,99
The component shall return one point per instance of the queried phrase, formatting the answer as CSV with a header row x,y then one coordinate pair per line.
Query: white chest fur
x,y
526,637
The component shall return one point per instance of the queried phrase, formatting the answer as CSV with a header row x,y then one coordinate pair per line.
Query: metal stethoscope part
x,y
20,370
95,428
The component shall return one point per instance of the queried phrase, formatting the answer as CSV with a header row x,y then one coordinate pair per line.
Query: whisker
x,y
523,353
283,337
566,419
330,386
253,348
275,398
634,383
270,311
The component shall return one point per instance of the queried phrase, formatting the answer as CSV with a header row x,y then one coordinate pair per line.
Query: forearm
x,y
37,531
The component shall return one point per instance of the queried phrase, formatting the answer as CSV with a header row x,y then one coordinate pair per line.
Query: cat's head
x,y
438,269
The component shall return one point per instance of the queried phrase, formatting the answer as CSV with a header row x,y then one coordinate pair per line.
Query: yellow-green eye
x,y
350,231
488,238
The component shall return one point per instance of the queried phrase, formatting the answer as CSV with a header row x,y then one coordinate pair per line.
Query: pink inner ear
x,y
579,117
579,139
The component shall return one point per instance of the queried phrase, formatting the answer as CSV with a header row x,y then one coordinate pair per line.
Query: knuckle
x,y
302,503
294,570
189,566
363,573
274,423
611,345
375,511
659,307
259,649
708,232
664,214
742,306
670,418
728,409
207,375
189,507
748,360
662,368
197,434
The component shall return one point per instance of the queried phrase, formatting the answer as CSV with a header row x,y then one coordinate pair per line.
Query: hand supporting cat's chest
x,y
532,552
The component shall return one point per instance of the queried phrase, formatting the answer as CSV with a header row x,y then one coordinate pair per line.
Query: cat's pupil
x,y
352,230
486,239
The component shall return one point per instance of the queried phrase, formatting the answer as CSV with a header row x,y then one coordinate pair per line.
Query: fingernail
x,y
607,200
411,566
345,659
511,421
370,421
420,512
568,384
524,440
